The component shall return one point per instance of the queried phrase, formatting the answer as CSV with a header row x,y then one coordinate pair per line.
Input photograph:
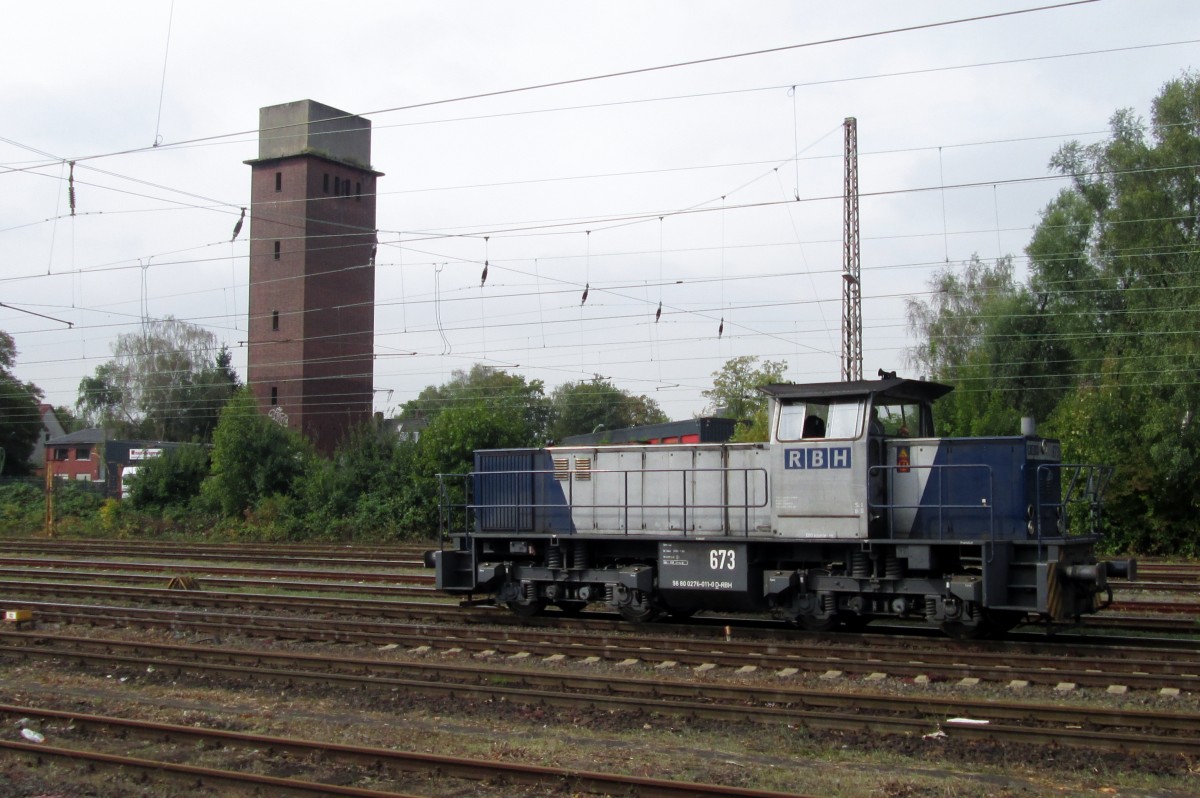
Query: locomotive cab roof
x,y
897,389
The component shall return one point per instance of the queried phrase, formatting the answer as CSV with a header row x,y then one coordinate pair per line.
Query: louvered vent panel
x,y
583,469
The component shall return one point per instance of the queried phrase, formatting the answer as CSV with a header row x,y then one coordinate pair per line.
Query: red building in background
x,y
88,456
78,456
708,429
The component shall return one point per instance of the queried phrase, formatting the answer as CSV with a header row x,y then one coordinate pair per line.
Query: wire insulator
x,y
483,277
71,188
237,227
658,313
587,287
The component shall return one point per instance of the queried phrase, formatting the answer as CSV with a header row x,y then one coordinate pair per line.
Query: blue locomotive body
x,y
852,511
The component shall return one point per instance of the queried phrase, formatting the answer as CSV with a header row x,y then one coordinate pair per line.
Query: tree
x,y
994,340
362,490
102,402
68,419
167,382
447,447
484,384
252,457
172,480
1134,304
1101,340
734,393
20,420
585,406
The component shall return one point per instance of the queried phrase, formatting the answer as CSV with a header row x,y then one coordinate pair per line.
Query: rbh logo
x,y
831,457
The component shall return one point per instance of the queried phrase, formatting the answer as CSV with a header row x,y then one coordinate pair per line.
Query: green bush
x,y
22,507
172,480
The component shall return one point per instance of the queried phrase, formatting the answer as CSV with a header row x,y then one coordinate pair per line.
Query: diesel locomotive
x,y
854,510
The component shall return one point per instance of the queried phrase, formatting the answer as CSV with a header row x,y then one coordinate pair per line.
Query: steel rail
x,y
454,767
1073,726
1168,667
335,550
1185,623
186,552
445,611
655,688
226,582
100,566
192,774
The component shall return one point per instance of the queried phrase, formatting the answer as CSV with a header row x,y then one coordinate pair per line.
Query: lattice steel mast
x,y
851,286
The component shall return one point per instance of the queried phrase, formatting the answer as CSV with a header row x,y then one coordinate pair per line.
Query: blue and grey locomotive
x,y
853,511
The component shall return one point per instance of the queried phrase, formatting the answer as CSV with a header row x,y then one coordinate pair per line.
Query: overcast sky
x,y
713,189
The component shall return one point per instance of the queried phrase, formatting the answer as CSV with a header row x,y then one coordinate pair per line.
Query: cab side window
x,y
814,420
899,419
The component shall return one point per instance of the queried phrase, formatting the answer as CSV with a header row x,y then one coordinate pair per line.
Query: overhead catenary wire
x,y
446,299
641,70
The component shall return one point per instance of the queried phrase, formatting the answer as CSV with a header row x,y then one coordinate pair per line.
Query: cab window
x,y
812,420
897,420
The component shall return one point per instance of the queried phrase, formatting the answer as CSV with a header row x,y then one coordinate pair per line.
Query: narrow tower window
x,y
325,183
274,319
279,181
358,192
274,395
276,250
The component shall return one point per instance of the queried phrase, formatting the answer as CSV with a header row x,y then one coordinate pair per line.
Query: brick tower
x,y
312,270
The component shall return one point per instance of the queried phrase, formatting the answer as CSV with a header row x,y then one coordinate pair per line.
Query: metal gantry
x,y
851,285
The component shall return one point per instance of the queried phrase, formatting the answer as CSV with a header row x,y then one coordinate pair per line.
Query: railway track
x,y
24,584
89,732
277,551
407,626
395,581
358,552
932,659
100,568
17,581
1017,723
401,586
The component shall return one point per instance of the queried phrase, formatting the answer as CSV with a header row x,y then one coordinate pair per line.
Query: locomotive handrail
x,y
683,505
987,504
1085,485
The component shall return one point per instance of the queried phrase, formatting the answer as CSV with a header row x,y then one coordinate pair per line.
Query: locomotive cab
x,y
835,440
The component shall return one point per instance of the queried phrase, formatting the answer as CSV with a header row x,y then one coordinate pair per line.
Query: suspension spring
x,y
579,554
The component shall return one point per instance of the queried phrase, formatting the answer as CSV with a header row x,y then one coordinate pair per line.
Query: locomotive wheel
x,y
853,622
966,631
527,609
572,608
640,609
682,615
810,623
638,613
1001,621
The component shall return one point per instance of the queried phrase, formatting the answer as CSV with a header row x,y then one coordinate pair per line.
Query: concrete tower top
x,y
306,127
